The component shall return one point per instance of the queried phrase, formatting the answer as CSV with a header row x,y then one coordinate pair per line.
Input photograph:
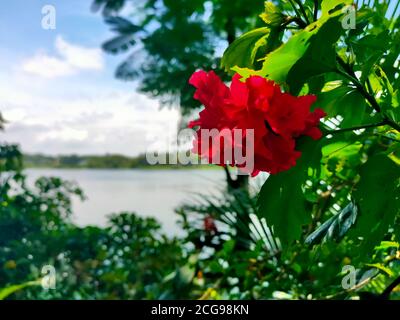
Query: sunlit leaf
x,y
4,293
281,198
243,50
378,197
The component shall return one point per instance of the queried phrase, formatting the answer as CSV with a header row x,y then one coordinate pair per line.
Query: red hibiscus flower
x,y
258,104
209,224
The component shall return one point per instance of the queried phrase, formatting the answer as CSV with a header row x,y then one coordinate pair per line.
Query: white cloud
x,y
88,122
79,57
16,114
45,66
85,114
63,134
70,59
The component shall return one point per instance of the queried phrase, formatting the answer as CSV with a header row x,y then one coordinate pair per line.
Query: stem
x,y
230,30
365,126
349,74
369,87
386,293
345,66
361,89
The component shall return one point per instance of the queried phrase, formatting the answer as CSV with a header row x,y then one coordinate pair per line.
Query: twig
x,y
386,293
349,74
365,126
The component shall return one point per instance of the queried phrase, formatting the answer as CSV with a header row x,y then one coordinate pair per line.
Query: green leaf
x,y
228,247
387,244
126,35
243,51
119,43
329,100
341,158
336,227
319,58
281,200
272,16
352,108
389,100
4,293
371,45
122,25
330,6
378,197
345,102
382,268
279,62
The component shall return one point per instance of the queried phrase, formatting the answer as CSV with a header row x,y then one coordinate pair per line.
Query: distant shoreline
x,y
156,167
106,162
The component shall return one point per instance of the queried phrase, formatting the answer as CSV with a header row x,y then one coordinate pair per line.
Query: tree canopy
x,y
167,40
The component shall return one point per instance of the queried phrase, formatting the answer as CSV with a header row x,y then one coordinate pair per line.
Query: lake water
x,y
154,193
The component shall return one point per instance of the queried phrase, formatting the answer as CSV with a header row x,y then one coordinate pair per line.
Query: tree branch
x,y
365,126
350,75
230,30
386,293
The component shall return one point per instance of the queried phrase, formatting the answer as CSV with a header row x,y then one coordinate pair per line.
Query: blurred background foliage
x,y
120,261
227,251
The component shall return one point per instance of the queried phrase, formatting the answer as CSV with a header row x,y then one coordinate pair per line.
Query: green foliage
x,y
238,52
227,269
336,227
354,185
126,38
238,218
10,158
168,40
121,260
281,198
282,202
307,53
378,196
131,258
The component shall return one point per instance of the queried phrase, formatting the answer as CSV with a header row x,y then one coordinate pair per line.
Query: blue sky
x,y
58,91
